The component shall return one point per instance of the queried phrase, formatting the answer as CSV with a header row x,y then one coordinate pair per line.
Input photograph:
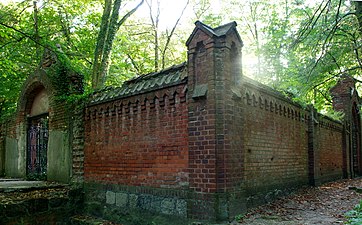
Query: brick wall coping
x,y
325,121
171,76
269,90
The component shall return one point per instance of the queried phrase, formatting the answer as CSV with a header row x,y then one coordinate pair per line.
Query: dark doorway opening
x,y
37,147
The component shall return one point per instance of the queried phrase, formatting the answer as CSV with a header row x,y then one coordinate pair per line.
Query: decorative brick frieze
x,y
134,140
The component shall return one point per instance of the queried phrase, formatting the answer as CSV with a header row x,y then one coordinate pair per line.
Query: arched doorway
x,y
356,142
37,136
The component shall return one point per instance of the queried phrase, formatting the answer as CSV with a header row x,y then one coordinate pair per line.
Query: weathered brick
x,y
143,143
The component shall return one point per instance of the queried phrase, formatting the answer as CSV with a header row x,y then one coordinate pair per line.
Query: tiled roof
x,y
225,29
144,83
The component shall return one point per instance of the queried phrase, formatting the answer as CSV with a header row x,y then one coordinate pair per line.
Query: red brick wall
x,y
275,142
10,127
202,134
59,115
234,139
330,150
140,140
77,140
215,154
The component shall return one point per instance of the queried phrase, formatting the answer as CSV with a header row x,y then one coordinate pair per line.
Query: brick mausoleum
x,y
197,140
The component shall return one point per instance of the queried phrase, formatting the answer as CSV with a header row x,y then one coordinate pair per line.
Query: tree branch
x,y
325,96
18,40
26,35
125,17
310,24
154,22
171,34
327,41
134,64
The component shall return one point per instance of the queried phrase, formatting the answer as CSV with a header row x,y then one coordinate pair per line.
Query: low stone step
x,y
21,185
40,207
9,179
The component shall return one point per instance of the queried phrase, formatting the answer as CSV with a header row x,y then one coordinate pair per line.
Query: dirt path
x,y
326,204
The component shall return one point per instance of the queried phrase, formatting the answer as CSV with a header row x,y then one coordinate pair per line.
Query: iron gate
x,y
356,142
37,147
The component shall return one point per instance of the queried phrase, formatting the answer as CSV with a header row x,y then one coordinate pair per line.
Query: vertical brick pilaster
x,y
212,73
346,140
77,141
346,100
202,115
313,148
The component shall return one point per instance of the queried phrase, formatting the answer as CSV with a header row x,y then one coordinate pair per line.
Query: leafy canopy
x,y
301,47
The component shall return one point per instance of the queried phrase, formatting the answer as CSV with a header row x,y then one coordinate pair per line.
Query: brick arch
x,y
52,116
33,85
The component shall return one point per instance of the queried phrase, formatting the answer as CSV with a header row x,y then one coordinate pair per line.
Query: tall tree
x,y
160,49
155,21
110,24
29,26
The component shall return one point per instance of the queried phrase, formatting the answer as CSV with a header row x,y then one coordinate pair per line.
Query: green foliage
x,y
295,46
16,61
355,216
74,27
298,46
239,217
71,25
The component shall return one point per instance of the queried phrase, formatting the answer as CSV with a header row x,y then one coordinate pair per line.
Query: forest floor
x,y
326,204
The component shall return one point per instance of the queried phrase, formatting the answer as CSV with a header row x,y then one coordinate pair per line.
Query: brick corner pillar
x,y
215,161
346,100
342,94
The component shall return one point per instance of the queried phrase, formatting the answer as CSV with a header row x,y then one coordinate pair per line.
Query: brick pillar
x,y
344,97
342,94
313,148
214,69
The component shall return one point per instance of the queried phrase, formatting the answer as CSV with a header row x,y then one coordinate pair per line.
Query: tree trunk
x,y
358,5
109,27
169,36
155,22
36,30
112,30
156,49
98,52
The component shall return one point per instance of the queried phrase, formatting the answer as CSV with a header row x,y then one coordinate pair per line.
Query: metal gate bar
x,y
37,147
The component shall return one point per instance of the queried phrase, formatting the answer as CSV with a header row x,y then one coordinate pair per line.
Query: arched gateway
x,y
347,101
38,140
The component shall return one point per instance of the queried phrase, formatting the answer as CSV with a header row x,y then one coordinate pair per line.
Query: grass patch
x,y
355,216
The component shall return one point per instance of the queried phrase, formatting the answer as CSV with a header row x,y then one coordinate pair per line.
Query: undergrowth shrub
x,y
355,216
